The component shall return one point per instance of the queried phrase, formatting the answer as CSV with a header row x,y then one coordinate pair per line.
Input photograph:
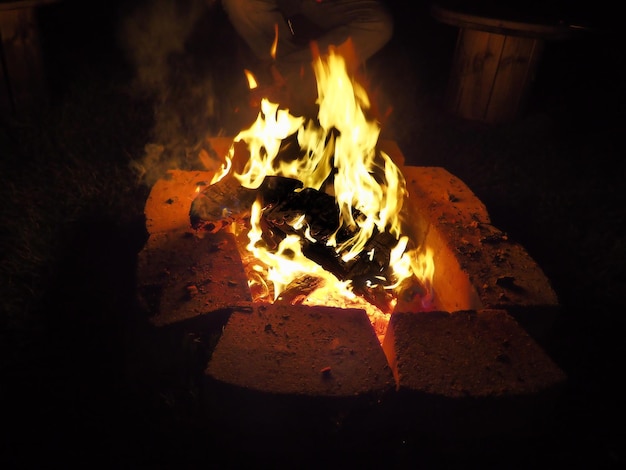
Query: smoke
x,y
157,36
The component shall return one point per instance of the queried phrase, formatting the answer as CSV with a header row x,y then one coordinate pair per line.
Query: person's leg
x,y
368,26
367,23
256,22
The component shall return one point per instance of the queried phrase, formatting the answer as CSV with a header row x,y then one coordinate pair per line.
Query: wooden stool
x,y
495,59
22,78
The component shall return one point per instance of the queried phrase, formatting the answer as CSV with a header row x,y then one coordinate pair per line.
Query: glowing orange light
x,y
252,83
275,43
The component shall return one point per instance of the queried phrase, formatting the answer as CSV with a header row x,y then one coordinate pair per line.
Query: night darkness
x,y
135,86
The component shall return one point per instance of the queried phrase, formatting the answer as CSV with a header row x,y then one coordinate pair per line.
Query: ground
x,y
81,381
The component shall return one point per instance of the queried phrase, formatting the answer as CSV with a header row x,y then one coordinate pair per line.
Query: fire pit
x,y
459,344
469,345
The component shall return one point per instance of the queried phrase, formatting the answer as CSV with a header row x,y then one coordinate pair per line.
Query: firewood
x,y
376,295
319,209
284,201
275,189
221,204
321,215
374,259
227,201
299,289
412,296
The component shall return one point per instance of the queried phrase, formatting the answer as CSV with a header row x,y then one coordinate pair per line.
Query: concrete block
x,y
181,276
470,372
301,350
477,266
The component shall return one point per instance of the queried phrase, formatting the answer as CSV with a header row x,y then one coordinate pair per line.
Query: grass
x,y
70,165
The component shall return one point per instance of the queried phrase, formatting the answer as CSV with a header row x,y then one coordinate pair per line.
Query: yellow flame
x,y
275,42
339,156
252,83
287,262
264,139
223,171
423,266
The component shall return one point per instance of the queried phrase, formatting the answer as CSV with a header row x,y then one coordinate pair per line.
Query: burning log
x,y
321,220
220,205
299,289
370,271
277,188
314,217
227,201
319,210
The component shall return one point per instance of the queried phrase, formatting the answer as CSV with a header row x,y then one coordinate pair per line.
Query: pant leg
x,y
256,22
367,23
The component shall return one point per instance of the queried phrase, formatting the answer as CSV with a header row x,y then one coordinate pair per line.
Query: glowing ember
x,y
336,156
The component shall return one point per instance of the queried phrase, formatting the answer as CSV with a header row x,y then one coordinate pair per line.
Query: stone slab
x,y
477,266
483,353
181,276
169,201
301,350
470,375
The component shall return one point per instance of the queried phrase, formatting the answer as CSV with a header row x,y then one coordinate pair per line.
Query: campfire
x,y
341,272
320,205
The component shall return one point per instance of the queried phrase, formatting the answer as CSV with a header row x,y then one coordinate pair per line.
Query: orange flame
x,y
252,83
275,42
339,157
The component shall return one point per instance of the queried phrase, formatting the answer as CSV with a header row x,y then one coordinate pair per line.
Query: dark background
x,y
79,388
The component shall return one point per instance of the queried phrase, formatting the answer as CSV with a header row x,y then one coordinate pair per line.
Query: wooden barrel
x,y
491,75
494,63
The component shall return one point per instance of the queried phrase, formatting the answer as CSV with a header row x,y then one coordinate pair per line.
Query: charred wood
x,y
299,289
320,212
275,189
321,219
227,201
220,205
411,295
314,216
